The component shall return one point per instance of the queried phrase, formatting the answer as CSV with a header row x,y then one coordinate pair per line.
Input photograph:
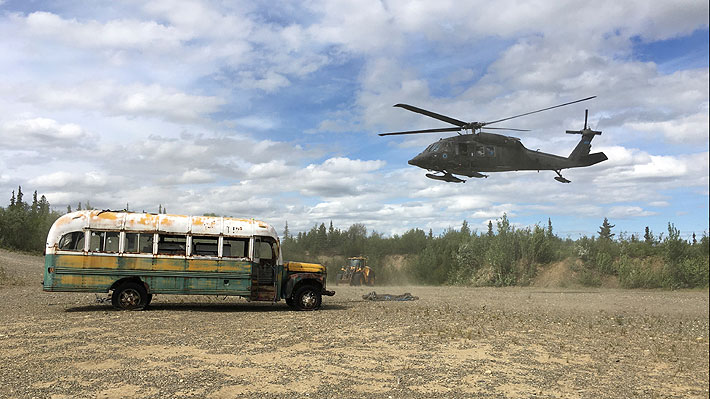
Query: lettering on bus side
x,y
233,229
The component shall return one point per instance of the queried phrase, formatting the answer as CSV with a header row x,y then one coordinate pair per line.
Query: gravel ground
x,y
453,342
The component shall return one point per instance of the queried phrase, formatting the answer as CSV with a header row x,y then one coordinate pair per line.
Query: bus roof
x,y
160,223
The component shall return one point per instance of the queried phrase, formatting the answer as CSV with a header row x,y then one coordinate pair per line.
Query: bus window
x,y
235,247
172,244
204,246
73,241
111,242
139,243
104,241
265,250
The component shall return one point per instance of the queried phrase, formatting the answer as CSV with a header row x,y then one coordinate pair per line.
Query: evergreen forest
x,y
501,256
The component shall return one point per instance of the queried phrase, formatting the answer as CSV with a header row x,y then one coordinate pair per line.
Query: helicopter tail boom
x,y
591,159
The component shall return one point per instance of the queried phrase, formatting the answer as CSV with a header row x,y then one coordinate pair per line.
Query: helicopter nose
x,y
416,161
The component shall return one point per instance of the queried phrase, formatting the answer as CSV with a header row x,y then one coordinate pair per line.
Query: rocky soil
x,y
453,342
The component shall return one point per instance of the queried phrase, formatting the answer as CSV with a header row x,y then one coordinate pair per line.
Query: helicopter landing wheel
x,y
559,177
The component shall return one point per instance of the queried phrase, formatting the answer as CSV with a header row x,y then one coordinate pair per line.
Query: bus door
x,y
263,270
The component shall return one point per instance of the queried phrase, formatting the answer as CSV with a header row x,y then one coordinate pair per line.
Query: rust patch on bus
x,y
70,261
107,215
167,264
166,221
202,265
235,266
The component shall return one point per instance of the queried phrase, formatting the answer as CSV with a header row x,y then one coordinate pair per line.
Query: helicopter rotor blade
x,y
586,114
539,110
443,129
508,128
434,115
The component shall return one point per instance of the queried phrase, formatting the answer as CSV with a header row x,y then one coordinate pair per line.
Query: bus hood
x,y
304,267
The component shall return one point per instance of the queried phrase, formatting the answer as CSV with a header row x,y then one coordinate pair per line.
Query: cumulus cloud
x,y
183,103
41,132
62,179
113,98
691,128
132,34
625,212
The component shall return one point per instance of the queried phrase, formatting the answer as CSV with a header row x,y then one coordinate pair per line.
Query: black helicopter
x,y
471,154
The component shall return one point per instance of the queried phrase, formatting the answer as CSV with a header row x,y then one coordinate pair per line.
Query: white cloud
x,y
41,132
693,128
71,180
165,96
117,34
113,98
193,176
625,212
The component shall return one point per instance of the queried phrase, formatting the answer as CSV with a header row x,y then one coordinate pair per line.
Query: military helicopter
x,y
475,152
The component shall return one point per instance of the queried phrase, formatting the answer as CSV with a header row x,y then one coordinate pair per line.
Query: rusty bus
x,y
136,255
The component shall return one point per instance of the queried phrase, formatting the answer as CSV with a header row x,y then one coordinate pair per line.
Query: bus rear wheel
x,y
307,297
130,296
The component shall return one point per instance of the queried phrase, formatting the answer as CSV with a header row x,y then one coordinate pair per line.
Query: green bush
x,y
639,273
690,272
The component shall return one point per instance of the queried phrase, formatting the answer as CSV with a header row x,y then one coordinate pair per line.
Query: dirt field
x,y
452,342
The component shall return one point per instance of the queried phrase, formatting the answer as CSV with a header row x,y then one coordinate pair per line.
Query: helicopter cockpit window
x,y
434,147
490,151
480,152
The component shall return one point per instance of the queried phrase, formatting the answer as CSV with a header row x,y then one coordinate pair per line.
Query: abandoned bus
x,y
136,255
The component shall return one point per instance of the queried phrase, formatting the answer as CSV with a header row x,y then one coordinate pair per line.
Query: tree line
x,y
505,255
501,256
24,226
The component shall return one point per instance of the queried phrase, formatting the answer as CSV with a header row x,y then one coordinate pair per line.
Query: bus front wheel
x,y
130,296
307,297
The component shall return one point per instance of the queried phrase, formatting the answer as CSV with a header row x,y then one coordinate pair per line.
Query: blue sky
x,y
272,109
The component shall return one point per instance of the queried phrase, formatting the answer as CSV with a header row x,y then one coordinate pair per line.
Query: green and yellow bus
x,y
136,255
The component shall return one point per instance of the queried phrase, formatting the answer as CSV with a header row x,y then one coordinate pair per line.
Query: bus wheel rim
x,y
308,300
130,298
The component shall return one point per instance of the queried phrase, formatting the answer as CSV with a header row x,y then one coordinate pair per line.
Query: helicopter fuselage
x,y
488,152
479,151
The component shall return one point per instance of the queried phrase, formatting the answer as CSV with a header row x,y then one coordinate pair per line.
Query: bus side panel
x,y
48,280
200,276
70,274
168,275
78,272
236,277
135,263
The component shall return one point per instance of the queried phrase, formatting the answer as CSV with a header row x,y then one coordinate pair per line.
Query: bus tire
x,y
130,296
307,297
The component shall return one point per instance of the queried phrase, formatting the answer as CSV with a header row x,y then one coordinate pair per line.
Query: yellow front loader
x,y
356,272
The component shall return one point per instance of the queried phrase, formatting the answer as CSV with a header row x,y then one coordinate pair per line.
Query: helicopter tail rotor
x,y
586,130
580,155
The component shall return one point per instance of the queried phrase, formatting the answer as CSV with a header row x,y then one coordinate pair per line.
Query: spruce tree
x,y
287,234
648,236
605,230
465,229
